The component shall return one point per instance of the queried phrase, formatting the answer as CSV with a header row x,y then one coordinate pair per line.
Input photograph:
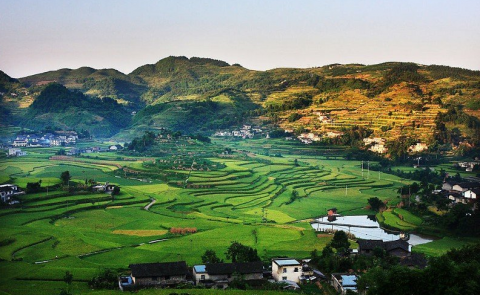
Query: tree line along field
x,y
250,200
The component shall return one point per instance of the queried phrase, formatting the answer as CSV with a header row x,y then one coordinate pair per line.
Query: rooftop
x,y
286,262
159,269
200,268
238,267
349,280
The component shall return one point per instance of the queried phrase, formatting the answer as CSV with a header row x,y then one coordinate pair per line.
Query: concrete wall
x,y
280,273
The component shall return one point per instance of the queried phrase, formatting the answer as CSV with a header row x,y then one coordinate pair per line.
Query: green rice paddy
x,y
249,200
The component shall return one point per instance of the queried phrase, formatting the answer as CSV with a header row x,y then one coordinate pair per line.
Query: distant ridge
x,y
202,95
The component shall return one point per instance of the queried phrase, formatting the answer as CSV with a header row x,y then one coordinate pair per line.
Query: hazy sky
x,y
37,36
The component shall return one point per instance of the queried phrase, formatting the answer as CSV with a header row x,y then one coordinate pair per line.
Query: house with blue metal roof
x,y
342,282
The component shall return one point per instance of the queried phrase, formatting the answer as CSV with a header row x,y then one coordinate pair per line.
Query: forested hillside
x,y
58,107
431,104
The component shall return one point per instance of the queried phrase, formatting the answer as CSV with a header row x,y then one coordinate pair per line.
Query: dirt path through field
x,y
150,205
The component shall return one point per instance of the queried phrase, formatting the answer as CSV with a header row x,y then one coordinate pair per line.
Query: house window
x,y
167,277
202,277
284,270
284,278
154,278
295,269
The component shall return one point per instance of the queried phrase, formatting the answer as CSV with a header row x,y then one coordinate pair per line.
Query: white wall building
x,y
286,269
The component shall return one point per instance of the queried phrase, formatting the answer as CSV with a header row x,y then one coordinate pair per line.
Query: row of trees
x,y
457,272
236,252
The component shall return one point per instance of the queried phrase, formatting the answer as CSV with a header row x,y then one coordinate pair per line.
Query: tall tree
x,y
241,253
210,257
65,177
340,241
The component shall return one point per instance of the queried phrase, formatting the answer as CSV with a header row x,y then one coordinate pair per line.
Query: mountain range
x,y
202,95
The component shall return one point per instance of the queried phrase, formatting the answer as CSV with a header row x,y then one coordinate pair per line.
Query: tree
x,y
33,187
65,177
67,278
375,203
340,241
116,190
241,253
210,257
108,279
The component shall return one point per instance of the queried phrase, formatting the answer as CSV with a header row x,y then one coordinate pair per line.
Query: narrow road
x,y
150,205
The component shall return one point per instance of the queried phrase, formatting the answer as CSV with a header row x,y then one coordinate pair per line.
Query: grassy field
x,y
250,200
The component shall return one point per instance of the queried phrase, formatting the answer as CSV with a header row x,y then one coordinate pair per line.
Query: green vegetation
x,y
444,275
215,199
99,116
242,197
200,95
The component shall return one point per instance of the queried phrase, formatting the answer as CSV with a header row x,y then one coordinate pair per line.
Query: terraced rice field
x,y
250,201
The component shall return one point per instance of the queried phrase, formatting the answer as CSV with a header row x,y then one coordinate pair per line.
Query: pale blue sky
x,y
37,36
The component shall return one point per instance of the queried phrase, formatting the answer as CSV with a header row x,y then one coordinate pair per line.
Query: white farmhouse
x,y
472,194
286,269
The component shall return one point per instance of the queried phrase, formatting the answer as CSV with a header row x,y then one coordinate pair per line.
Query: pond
x,y
365,227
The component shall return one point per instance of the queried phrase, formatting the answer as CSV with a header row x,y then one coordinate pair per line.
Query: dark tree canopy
x,y
210,257
340,241
241,253
375,203
65,177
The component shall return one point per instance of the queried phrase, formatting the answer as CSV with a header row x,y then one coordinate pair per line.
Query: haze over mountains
x,y
202,95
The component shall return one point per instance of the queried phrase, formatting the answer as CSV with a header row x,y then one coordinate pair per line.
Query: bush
x,y
108,279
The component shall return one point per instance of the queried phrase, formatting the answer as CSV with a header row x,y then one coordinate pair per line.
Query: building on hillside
x,y
7,191
73,152
20,143
472,194
167,274
106,188
418,147
342,282
376,144
416,260
332,211
464,186
286,269
115,147
219,275
399,248
16,152
448,185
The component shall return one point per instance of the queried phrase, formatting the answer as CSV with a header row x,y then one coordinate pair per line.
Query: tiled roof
x,y
286,262
238,267
369,244
398,244
159,269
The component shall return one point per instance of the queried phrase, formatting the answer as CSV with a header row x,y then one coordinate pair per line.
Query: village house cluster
x,y
60,138
95,149
247,131
308,138
468,166
378,145
289,272
8,192
462,192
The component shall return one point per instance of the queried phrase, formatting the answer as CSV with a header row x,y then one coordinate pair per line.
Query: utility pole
x,y
409,195
362,169
368,171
